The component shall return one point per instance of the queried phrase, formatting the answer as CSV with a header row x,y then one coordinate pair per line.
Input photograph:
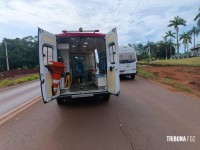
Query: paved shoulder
x,y
13,97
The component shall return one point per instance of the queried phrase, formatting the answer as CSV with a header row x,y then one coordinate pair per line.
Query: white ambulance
x,y
127,61
77,64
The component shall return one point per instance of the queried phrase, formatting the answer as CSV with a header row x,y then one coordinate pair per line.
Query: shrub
x,y
36,67
24,67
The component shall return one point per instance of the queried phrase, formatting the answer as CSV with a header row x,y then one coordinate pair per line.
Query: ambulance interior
x,y
84,63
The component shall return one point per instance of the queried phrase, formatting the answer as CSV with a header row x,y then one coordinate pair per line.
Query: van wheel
x,y
60,101
106,97
133,76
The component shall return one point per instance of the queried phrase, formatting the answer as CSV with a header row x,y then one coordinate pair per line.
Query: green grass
x,y
145,74
192,62
175,84
10,82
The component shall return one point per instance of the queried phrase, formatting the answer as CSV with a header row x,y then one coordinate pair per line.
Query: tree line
x,y
167,48
22,53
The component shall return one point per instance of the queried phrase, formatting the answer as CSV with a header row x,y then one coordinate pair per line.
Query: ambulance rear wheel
x,y
106,97
60,101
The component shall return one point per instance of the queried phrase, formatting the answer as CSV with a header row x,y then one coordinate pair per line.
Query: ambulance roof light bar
x,y
80,30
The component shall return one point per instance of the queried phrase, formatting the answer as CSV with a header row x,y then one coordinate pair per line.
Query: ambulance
x,y
76,64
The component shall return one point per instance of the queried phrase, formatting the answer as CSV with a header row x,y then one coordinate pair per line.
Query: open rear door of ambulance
x,y
47,54
112,62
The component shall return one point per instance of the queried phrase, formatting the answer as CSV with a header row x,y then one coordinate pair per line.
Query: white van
x,y
127,61
77,64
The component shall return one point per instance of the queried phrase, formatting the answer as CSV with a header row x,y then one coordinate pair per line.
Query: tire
x,y
133,76
106,97
60,101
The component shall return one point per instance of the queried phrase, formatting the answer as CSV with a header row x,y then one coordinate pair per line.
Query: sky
x,y
136,20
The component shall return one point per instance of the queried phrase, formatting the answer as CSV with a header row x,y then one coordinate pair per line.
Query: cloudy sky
x,y
136,20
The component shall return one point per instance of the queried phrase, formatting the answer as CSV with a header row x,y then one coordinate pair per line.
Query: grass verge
x,y
191,62
145,74
177,85
11,82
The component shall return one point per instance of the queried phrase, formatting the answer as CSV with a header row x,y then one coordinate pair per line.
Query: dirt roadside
x,y
14,73
188,76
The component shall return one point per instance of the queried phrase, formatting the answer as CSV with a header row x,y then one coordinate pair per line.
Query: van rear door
x,y
112,62
47,54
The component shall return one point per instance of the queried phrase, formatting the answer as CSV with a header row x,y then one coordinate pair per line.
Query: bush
x,y
36,67
25,67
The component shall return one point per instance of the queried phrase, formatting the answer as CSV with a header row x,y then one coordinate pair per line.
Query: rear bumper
x,y
132,72
83,95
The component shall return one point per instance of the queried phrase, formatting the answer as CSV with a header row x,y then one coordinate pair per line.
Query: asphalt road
x,y
17,95
140,119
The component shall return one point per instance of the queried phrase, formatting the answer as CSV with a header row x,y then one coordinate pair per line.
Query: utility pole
x,y
7,62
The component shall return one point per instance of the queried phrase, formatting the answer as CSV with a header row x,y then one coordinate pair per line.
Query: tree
x,y
163,49
198,18
195,31
141,51
176,23
186,38
170,35
2,57
21,52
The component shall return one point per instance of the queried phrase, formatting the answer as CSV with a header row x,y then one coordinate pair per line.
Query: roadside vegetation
x,y
190,62
168,81
176,85
10,82
145,74
22,53
165,80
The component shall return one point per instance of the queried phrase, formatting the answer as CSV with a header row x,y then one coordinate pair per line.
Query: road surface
x,y
140,119
14,97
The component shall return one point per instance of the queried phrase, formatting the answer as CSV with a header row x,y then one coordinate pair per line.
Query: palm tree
x,y
176,23
170,35
198,18
186,37
195,31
